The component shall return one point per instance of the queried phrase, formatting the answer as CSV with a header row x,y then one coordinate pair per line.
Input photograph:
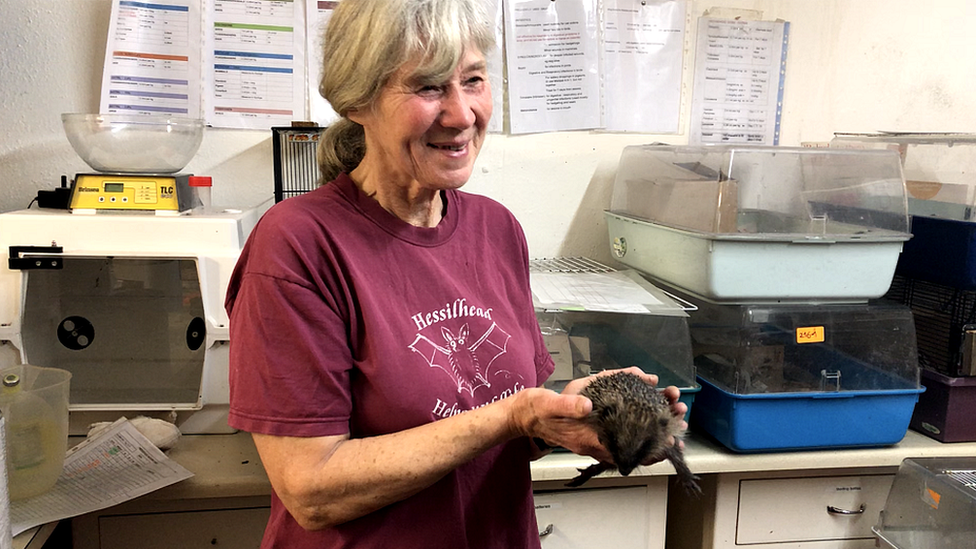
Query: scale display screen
x,y
114,187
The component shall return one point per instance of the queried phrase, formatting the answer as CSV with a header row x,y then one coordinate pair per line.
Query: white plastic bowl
x,y
128,143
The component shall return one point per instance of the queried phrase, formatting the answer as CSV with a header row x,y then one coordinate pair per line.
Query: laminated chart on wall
x,y
152,59
256,75
612,65
318,13
235,63
740,67
643,45
496,67
553,65
256,64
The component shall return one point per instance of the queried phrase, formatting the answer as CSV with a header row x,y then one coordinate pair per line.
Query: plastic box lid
x,y
804,348
596,318
939,168
584,343
765,193
932,503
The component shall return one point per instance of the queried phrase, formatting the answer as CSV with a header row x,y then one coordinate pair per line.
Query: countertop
x,y
228,465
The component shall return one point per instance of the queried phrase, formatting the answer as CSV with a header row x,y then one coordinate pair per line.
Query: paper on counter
x,y
609,292
116,466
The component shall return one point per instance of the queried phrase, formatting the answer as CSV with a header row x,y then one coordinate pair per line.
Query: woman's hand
x,y
557,419
560,419
678,410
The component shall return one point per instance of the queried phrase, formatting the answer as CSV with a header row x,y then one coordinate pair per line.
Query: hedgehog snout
x,y
627,459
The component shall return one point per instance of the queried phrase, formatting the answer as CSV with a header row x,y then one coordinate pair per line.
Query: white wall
x,y
853,65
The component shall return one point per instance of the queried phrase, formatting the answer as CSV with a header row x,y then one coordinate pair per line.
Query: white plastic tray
x,y
753,270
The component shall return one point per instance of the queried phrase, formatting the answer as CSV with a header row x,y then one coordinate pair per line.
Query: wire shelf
x,y
580,264
567,265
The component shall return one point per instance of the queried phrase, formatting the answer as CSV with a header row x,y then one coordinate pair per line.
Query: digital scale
x,y
131,192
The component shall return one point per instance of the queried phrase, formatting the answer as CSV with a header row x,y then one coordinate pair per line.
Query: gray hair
x,y
367,41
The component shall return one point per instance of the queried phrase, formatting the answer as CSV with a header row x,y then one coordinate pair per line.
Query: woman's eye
x,y
428,90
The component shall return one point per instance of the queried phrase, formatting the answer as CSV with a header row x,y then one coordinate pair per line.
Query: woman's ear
x,y
356,115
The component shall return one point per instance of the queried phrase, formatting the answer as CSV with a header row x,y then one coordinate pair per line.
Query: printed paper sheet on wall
x,y
643,45
317,13
254,73
152,61
740,67
613,65
553,65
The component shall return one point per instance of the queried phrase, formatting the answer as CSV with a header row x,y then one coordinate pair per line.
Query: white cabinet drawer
x,y
619,518
809,509
237,528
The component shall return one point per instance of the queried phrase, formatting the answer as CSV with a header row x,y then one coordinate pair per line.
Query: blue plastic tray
x,y
770,422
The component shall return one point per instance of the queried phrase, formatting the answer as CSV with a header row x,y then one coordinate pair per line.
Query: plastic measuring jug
x,y
34,402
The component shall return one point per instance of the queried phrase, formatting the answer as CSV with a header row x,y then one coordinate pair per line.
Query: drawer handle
x,y
838,511
546,532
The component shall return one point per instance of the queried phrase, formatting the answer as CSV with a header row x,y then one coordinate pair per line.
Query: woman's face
x,y
428,134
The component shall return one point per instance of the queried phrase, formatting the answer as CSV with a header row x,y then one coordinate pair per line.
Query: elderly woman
x,y
385,354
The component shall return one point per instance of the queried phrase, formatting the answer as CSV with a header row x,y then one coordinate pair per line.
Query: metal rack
x,y
578,264
296,170
945,324
567,265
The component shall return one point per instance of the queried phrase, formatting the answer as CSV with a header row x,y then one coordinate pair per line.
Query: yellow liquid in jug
x,y
35,456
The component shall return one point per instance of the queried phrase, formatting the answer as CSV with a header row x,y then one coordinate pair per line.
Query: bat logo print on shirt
x,y
467,363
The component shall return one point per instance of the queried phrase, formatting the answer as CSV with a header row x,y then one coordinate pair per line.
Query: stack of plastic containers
x,y
595,318
932,503
936,273
785,252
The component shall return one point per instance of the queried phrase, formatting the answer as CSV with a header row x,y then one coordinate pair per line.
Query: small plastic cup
x,y
34,403
201,186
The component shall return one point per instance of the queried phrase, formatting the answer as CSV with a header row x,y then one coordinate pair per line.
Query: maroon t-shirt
x,y
345,319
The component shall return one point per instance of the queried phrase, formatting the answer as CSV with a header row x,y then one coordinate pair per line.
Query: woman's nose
x,y
456,110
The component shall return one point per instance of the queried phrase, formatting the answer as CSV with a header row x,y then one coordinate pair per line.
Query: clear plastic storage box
x,y
788,377
747,224
940,177
932,503
594,321
940,169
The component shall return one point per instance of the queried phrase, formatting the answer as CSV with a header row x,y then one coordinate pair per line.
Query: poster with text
x,y
254,74
553,65
152,60
740,67
643,48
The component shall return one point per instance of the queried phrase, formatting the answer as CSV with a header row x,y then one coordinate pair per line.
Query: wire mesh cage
x,y
945,324
295,168
567,265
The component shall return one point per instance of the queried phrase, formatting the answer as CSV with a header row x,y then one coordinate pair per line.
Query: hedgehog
x,y
633,422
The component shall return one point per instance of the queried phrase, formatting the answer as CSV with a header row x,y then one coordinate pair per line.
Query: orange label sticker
x,y
810,334
931,497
